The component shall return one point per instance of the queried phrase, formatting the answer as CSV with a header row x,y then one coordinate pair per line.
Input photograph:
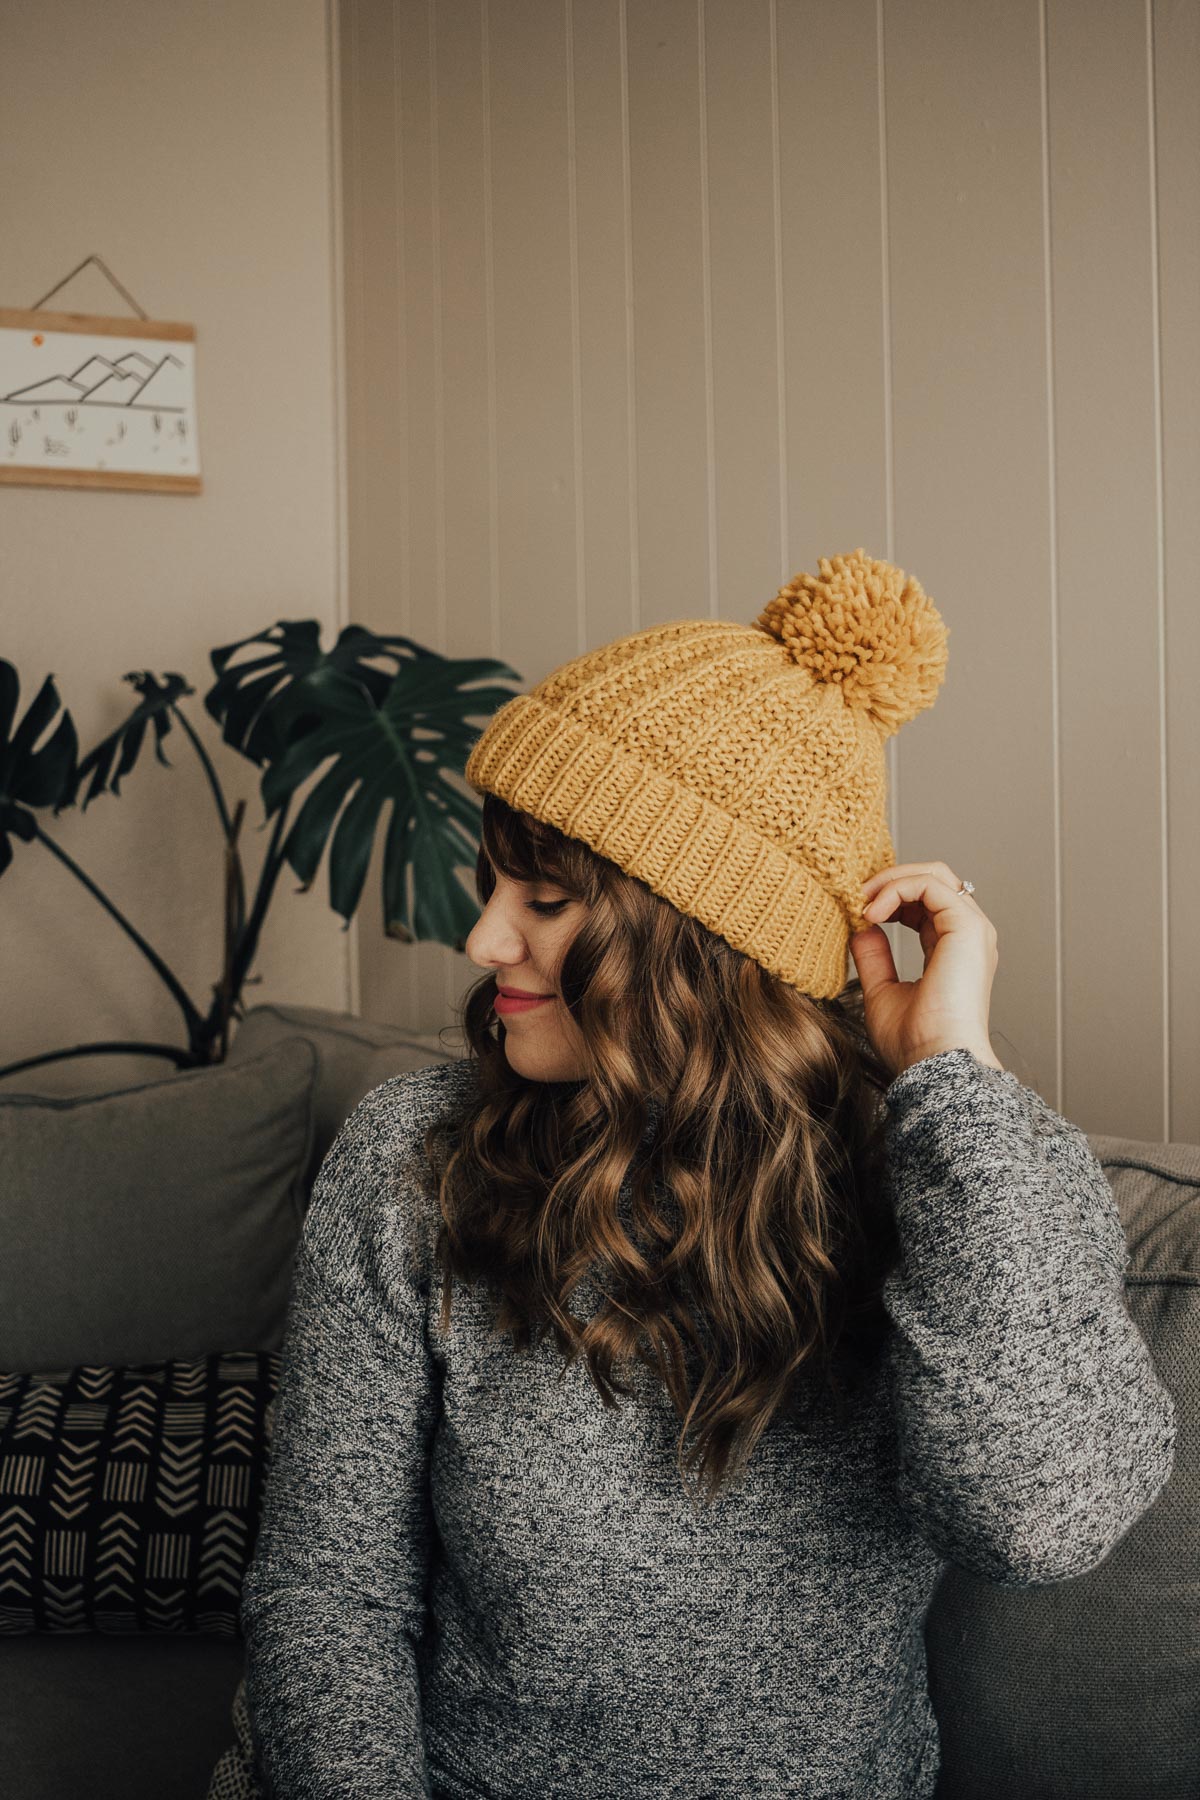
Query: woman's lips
x,y
508,1003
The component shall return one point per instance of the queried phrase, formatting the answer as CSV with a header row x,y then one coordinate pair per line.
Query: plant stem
x,y
227,994
234,913
219,796
268,875
191,1013
202,753
180,1057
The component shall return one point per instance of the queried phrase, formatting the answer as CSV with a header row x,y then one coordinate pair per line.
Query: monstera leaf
x,y
29,777
264,703
378,760
154,709
374,738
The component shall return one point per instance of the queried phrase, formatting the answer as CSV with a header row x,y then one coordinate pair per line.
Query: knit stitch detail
x,y
630,813
693,743
473,1578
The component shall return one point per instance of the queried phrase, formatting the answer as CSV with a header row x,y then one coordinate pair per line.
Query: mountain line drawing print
x,y
97,402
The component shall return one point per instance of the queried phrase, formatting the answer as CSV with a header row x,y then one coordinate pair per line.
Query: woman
x,y
692,1207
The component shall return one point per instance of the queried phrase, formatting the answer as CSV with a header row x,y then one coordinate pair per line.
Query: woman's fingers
x,y
874,962
942,870
939,898
873,887
948,1006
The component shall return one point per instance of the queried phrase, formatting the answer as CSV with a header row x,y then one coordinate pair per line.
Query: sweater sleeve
x,y
1033,1430
333,1601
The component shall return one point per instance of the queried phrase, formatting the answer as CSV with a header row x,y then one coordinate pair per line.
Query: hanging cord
x,y
83,265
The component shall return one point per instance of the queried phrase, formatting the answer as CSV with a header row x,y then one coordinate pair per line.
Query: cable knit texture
x,y
471,1579
738,770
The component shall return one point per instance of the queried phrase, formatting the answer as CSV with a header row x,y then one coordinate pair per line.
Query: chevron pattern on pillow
x,y
129,1497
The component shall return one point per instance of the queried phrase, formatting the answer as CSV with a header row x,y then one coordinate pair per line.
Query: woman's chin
x,y
540,1061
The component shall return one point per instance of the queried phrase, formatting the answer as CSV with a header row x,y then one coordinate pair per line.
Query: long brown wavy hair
x,y
745,1116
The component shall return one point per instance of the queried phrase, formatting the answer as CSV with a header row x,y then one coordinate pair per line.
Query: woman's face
x,y
522,935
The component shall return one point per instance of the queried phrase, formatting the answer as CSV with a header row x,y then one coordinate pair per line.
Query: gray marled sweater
x,y
471,1579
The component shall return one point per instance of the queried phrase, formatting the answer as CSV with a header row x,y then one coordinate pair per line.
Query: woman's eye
x,y
546,907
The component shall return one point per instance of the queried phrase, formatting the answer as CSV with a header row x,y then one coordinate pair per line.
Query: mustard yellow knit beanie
x,y
738,770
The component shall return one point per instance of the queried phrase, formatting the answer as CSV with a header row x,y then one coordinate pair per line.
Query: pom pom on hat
x,y
866,626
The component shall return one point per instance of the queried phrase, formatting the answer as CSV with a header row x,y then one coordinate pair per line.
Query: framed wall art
x,y
89,401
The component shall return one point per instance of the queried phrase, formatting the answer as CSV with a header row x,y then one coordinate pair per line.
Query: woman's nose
x,y
492,942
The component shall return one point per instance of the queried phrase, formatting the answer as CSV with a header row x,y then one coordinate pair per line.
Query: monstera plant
x,y
381,736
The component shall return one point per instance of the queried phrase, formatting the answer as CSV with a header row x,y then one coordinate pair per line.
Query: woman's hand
x,y
947,1009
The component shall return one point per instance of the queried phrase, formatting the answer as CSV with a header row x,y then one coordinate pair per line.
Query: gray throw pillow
x,y
353,1056
154,1222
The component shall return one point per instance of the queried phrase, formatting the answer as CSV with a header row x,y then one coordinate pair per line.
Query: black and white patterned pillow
x,y
129,1497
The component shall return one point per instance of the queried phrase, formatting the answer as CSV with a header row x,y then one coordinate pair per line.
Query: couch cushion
x,y
353,1056
157,1221
129,1498
91,1717
1088,1689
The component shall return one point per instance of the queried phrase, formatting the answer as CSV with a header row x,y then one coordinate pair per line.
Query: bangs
x,y
523,848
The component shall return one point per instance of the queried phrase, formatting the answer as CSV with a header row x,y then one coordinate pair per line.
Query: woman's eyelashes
x,y
546,908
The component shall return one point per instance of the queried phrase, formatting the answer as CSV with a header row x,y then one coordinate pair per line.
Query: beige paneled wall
x,y
652,304
191,146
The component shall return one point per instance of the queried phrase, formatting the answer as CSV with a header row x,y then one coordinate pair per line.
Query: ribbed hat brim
x,y
710,865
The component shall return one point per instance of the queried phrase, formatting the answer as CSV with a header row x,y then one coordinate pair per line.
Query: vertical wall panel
x,y
606,336
1176,77
466,546
741,234
977,772
677,579
1105,483
411,153
651,305
406,981
463,373
376,300
358,515
835,374
834,315
421,331
535,423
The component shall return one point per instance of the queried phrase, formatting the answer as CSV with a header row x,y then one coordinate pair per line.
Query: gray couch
x,y
181,1203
